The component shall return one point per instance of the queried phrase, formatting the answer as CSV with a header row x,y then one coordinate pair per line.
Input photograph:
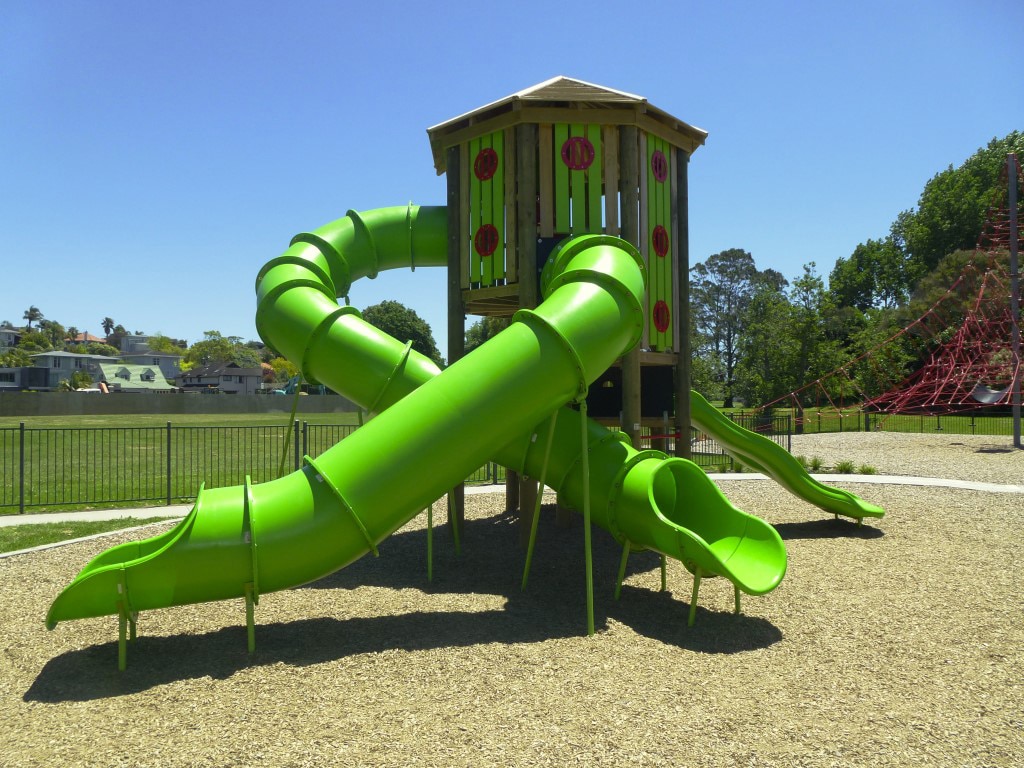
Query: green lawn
x,y
15,537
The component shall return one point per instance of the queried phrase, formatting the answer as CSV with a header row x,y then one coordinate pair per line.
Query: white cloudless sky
x,y
153,156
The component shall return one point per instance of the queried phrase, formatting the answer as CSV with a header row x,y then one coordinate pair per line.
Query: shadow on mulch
x,y
553,606
829,528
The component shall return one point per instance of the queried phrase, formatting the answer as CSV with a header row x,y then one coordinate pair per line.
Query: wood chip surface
x,y
895,644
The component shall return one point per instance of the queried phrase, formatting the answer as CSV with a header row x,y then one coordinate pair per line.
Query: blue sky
x,y
154,156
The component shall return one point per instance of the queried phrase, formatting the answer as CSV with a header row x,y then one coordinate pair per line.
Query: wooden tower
x,y
561,158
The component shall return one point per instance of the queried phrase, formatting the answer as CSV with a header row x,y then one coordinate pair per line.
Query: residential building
x,y
125,377
229,378
60,365
169,365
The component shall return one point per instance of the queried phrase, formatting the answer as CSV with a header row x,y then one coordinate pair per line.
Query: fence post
x,y
305,439
789,432
298,455
168,463
21,468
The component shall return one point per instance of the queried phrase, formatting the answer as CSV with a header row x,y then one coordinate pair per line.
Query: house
x,y
60,366
9,337
15,379
126,377
87,338
169,365
229,378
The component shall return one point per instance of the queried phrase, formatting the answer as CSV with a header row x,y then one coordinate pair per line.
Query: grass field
x,y
15,537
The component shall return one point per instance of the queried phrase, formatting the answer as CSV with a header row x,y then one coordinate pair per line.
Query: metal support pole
x,y
1011,174
21,468
168,463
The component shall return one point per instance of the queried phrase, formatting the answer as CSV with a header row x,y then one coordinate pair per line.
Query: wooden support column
x,y
629,216
526,244
456,310
682,309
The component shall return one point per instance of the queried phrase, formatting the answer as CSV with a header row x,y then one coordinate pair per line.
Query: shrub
x,y
866,469
816,463
802,460
844,467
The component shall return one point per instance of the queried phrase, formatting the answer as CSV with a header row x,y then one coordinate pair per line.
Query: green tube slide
x,y
431,429
767,457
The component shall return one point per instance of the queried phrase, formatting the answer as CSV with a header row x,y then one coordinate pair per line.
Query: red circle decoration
x,y
659,239
662,316
577,153
486,164
485,241
659,165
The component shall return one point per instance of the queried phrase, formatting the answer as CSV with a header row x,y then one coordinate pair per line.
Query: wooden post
x,y
683,306
526,243
629,190
456,310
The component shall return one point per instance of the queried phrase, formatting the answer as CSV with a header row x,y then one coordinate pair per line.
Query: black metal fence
x,y
58,467
63,467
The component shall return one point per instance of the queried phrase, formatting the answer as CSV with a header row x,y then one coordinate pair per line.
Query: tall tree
x,y
108,325
397,320
217,348
484,329
720,291
32,315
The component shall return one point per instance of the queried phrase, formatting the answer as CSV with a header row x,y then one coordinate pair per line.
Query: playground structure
x,y
519,399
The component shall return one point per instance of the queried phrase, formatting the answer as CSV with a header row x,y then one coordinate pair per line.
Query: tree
x,y
875,275
32,314
108,325
98,348
73,334
720,291
55,332
164,345
34,342
216,348
484,329
402,323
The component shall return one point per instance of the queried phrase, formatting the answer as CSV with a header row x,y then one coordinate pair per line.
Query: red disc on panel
x,y
662,316
659,239
577,153
486,240
659,165
486,164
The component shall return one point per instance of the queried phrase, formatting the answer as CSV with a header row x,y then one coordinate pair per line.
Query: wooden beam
x,y
456,312
683,306
629,194
526,213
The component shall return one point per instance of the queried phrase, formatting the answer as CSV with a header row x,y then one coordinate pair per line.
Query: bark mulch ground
x,y
894,644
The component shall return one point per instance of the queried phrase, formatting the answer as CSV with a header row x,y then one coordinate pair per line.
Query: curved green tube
x,y
431,430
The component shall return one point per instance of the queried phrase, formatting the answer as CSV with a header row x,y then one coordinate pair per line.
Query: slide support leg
x,y
122,637
737,590
540,497
430,543
693,596
622,569
250,619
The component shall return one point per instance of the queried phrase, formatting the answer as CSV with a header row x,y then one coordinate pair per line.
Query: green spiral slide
x,y
505,401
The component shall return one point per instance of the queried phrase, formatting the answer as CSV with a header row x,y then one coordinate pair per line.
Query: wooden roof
x,y
562,99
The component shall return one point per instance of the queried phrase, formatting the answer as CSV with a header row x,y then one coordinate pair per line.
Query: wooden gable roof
x,y
562,99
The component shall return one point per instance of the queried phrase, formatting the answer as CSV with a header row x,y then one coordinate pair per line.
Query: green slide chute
x,y
765,456
431,430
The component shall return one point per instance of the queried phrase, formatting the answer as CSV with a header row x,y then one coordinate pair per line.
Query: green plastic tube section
x,y
431,430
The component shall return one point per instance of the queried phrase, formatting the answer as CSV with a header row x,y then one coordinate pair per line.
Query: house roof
x,y
562,99
129,376
73,355
85,338
221,368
